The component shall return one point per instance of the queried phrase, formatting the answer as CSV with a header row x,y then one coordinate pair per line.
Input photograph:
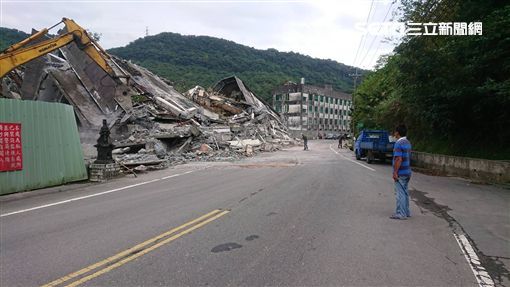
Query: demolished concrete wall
x,y
152,124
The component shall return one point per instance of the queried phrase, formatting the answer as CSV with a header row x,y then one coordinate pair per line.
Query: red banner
x,y
11,157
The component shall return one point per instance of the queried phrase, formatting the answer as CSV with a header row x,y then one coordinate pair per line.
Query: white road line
x,y
367,167
482,277
93,195
175,175
170,176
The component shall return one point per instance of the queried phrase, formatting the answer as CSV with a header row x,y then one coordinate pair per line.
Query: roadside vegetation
x,y
453,92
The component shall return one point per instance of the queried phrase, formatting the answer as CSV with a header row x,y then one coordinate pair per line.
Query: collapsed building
x,y
152,125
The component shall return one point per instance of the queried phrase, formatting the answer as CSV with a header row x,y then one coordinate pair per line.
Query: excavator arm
x,y
19,54
9,61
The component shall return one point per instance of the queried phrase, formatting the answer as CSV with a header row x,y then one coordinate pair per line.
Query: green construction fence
x,y
51,150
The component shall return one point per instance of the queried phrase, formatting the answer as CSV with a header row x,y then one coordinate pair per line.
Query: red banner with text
x,y
11,156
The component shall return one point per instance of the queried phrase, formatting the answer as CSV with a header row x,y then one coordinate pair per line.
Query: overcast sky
x,y
326,29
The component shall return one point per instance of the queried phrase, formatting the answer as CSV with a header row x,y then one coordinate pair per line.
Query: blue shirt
x,y
402,148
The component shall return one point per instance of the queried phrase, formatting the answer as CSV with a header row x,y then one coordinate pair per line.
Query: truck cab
x,y
372,144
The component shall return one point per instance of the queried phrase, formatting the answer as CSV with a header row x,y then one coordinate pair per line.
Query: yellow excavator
x,y
23,52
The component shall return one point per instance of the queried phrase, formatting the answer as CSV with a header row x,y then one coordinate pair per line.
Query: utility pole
x,y
146,31
355,75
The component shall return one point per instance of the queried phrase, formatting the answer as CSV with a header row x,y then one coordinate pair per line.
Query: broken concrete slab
x,y
152,124
244,143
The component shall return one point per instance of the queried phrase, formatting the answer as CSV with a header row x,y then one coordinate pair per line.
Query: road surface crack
x,y
492,264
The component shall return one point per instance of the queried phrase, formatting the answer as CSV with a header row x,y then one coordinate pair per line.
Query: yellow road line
x,y
145,251
128,251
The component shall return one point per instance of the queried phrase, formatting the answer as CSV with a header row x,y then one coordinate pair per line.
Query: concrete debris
x,y
204,149
244,143
153,125
249,150
121,150
141,168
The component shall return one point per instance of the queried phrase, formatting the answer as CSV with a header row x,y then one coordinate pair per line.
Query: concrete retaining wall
x,y
479,169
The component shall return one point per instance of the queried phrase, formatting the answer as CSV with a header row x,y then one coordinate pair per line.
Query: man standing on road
x,y
341,141
401,172
305,142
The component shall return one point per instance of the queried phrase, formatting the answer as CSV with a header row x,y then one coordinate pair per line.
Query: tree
x,y
450,90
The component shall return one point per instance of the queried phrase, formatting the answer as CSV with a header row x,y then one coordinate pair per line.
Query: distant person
x,y
401,172
341,141
305,142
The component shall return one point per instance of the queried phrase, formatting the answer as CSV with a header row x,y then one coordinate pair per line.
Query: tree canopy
x,y
453,92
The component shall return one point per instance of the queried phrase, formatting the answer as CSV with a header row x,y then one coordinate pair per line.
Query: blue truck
x,y
373,144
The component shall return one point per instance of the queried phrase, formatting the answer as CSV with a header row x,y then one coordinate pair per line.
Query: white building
x,y
313,110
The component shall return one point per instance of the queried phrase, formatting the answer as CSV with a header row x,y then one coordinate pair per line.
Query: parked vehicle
x,y
332,136
372,144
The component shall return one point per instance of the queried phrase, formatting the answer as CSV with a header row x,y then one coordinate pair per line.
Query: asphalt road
x,y
292,218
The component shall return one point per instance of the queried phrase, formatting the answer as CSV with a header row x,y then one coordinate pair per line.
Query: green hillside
x,y
202,60
10,36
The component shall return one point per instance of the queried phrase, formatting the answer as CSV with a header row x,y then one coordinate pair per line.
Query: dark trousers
x,y
305,145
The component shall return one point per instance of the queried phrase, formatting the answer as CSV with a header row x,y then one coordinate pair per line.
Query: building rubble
x,y
152,125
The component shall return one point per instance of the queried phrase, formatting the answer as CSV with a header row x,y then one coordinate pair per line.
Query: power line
x,y
356,75
375,54
363,37
376,36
